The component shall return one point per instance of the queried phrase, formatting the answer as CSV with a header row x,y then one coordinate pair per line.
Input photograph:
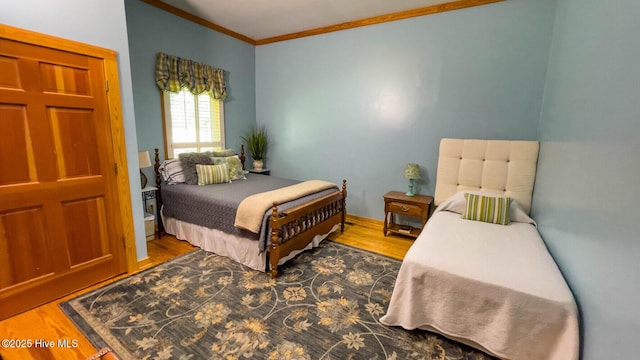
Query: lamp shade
x,y
144,161
412,171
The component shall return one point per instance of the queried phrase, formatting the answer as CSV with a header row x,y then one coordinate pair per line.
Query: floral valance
x,y
174,73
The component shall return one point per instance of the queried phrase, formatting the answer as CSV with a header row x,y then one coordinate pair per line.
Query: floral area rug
x,y
325,304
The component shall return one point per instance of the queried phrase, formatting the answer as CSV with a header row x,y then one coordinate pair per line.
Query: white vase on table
x,y
258,164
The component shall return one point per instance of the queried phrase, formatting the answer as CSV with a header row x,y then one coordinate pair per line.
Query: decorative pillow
x,y
489,209
172,172
223,153
212,174
234,164
457,203
189,161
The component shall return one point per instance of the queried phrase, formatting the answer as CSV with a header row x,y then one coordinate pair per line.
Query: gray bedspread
x,y
215,206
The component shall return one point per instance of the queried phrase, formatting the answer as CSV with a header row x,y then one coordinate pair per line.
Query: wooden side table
x,y
262,172
396,202
150,193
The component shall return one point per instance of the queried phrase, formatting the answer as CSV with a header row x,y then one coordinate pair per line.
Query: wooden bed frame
x,y
297,226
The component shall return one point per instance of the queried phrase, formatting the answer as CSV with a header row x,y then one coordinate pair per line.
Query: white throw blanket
x,y
252,209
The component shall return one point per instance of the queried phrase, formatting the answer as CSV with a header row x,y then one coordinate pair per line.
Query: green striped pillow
x,y
212,174
493,210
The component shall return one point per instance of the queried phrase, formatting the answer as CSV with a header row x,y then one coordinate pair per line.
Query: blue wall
x,y
152,30
586,194
360,104
100,23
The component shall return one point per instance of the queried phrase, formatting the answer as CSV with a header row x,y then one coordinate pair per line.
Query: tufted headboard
x,y
498,166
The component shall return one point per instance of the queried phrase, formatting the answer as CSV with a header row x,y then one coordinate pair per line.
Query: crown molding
x,y
198,20
428,10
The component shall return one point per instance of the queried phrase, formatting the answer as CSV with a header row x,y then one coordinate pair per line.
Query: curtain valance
x,y
174,73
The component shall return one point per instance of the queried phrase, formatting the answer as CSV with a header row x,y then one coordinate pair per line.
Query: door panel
x,y
9,73
64,79
59,229
87,235
16,166
28,255
75,142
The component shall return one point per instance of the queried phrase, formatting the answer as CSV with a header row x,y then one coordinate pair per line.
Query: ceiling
x,y
261,21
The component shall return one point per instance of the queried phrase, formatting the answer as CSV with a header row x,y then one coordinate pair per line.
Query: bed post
x,y
274,253
242,157
156,168
344,204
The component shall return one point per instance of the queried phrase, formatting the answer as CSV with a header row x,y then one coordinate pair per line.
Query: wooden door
x,y
60,229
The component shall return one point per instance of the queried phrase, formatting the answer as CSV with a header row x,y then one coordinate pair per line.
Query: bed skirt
x,y
242,250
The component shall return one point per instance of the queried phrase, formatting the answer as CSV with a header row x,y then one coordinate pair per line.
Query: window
x,y
192,123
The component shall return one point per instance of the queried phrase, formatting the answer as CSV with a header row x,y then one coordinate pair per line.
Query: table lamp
x,y
411,172
144,161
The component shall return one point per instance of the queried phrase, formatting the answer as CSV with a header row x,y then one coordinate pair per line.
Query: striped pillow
x,y
493,210
212,174
172,171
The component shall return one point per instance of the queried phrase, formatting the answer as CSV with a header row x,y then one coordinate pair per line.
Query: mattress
x,y
491,286
214,206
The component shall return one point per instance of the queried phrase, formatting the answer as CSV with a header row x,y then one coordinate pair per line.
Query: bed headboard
x,y
498,166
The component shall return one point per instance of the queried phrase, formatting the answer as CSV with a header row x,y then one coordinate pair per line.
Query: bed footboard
x,y
295,228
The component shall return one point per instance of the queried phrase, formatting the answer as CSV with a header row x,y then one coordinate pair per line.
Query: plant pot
x,y
258,164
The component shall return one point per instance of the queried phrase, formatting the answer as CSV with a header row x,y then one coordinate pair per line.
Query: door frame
x,y
116,121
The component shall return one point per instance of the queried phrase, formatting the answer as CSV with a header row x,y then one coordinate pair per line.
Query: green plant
x,y
257,142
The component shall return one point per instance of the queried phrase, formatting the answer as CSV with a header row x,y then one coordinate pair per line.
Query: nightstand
x,y
261,172
149,193
396,202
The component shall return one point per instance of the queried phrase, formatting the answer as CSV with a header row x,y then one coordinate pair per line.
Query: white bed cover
x,y
490,286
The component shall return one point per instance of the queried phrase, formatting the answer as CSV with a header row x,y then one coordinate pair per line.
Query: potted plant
x,y
257,143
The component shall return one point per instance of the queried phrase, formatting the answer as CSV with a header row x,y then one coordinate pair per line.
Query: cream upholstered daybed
x,y
491,286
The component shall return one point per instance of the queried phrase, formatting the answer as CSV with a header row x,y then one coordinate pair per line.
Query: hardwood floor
x,y
47,323
367,234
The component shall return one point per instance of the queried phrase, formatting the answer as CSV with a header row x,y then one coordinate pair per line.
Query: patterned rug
x,y
325,304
